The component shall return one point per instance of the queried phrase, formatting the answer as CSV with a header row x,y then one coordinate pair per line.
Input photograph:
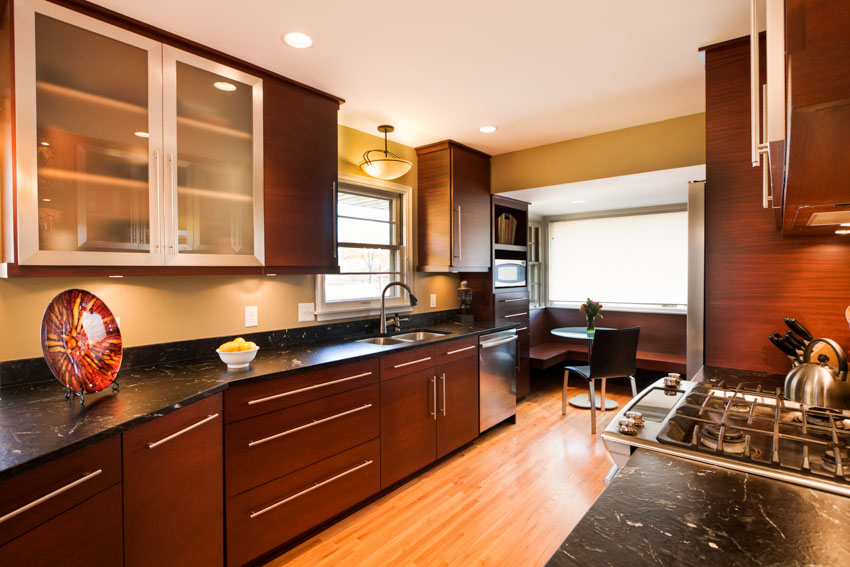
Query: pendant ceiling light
x,y
384,164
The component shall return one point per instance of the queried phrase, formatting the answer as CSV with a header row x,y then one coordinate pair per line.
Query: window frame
x,y
326,311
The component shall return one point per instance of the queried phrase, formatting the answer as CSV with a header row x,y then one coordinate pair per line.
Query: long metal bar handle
x,y
754,84
271,507
307,389
174,228
460,350
182,431
313,423
85,478
459,240
443,378
516,299
434,385
335,220
412,362
491,344
765,182
516,315
158,169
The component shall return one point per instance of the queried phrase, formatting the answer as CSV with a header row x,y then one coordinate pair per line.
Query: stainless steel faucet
x,y
413,301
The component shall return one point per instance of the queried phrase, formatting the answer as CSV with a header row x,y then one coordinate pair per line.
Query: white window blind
x,y
637,260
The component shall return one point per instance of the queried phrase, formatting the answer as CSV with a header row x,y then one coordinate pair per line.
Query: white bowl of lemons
x,y
237,353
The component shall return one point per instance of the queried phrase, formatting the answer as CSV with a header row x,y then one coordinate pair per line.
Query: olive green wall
x,y
172,308
677,142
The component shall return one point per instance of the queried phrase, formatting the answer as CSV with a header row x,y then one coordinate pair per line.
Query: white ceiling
x,y
540,70
651,189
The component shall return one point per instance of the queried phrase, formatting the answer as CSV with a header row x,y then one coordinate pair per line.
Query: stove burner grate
x,y
733,439
828,463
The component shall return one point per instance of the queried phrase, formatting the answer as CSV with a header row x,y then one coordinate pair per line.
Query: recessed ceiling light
x,y
488,129
44,143
142,134
224,86
577,201
843,231
298,40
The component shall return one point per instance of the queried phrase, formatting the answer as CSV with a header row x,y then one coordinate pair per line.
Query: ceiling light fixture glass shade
x,y
384,164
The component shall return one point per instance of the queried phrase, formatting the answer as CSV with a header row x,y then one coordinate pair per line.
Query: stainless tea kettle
x,y
817,383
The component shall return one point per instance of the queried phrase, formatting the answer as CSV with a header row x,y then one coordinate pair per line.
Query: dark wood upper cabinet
x,y
300,168
173,488
808,83
454,208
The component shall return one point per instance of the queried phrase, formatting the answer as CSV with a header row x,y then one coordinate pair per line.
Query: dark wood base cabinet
x,y
427,414
263,519
87,535
173,489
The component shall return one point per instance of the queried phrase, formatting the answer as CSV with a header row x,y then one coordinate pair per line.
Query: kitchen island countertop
x,y
662,510
37,424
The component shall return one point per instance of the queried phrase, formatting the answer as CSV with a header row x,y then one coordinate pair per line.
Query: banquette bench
x,y
662,338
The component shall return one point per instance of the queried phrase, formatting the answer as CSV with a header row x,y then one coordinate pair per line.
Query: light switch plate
x,y
433,300
305,311
251,316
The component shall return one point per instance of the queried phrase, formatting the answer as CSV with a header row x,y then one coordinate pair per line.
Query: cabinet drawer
x,y
505,301
457,349
518,315
35,496
270,515
263,397
269,446
173,484
87,535
408,361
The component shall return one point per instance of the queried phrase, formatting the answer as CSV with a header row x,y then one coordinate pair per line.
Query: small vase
x,y
591,328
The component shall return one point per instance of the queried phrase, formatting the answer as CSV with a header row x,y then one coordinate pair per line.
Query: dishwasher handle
x,y
491,344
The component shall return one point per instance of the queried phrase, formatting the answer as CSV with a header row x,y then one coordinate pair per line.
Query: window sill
x,y
332,315
628,308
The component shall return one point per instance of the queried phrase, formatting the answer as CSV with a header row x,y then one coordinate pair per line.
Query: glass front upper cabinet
x,y
126,154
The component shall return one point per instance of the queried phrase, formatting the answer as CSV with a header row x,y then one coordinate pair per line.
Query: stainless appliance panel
x,y
497,378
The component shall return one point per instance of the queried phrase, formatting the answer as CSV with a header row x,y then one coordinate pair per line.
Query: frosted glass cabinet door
x,y
213,162
88,109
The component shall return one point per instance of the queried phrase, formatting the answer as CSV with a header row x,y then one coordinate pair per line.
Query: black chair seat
x,y
583,371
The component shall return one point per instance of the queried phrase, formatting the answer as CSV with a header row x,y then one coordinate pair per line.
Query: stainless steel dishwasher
x,y
497,378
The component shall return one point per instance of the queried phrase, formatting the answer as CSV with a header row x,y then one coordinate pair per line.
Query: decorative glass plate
x,y
81,342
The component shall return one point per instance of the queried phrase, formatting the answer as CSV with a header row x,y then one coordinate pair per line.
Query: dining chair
x,y
613,354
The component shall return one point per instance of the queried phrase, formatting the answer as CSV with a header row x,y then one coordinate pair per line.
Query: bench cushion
x,y
547,355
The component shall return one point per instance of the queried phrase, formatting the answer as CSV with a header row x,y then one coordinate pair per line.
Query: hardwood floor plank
x,y
508,499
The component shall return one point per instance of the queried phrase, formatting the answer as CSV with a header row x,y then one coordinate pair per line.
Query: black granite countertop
x,y
663,510
37,424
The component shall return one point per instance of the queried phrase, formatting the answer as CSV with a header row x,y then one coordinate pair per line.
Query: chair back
x,y
614,353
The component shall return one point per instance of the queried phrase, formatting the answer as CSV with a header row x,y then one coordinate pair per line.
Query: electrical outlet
x,y
433,300
251,318
305,311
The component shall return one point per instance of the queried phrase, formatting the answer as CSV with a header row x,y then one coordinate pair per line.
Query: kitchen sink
x,y
385,341
419,335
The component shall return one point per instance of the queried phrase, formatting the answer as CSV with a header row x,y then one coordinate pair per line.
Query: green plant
x,y
591,309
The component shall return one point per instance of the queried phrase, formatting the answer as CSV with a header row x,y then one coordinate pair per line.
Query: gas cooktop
x,y
743,428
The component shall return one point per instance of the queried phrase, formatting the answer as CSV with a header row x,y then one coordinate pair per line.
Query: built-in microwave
x,y
509,273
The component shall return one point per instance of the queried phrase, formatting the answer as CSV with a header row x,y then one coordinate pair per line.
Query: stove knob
x,y
635,416
672,380
627,427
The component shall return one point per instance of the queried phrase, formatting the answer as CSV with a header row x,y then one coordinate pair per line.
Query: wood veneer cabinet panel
x,y
300,169
408,425
457,396
87,535
754,276
291,505
269,446
173,488
454,208
34,484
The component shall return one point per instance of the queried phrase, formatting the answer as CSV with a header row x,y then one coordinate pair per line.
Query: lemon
x,y
239,340
248,346
231,346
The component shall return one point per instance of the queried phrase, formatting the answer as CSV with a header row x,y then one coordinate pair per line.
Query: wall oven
x,y
509,273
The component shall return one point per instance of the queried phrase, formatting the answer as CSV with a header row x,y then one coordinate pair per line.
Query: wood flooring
x,y
509,499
